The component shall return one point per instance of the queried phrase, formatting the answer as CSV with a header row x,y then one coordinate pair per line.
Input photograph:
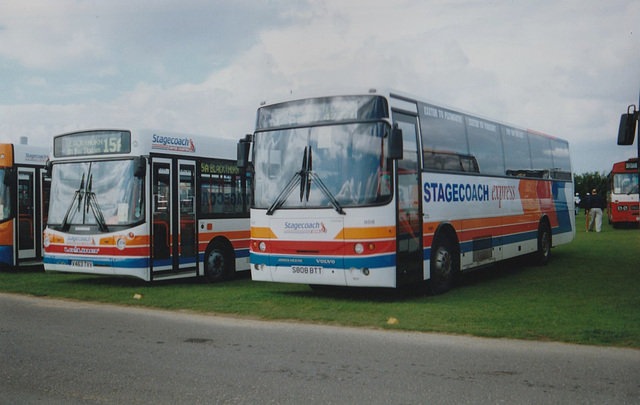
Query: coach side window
x,y
517,156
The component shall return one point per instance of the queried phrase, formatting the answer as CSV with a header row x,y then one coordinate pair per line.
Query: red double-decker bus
x,y
622,198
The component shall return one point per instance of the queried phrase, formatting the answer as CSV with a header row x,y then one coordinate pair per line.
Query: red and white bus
x,y
23,203
382,189
622,198
147,204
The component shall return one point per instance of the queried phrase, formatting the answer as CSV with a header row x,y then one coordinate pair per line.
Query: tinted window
x,y
560,154
485,144
516,149
442,131
540,152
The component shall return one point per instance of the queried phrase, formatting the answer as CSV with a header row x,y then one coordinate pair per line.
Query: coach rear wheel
x,y
217,263
544,244
443,265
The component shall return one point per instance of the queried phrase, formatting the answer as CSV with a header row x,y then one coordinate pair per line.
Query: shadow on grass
x,y
35,268
475,278
119,281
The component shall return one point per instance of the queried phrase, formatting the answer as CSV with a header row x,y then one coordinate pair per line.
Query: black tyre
x,y
444,265
544,244
217,263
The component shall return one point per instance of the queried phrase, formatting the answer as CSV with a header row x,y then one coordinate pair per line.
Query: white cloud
x,y
565,68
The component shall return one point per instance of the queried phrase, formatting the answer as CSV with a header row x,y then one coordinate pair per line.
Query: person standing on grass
x,y
596,205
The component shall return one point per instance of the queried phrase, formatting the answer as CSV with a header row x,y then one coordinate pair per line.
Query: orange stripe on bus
x,y
262,233
378,232
6,233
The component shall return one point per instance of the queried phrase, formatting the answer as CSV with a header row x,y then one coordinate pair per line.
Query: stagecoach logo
x,y
304,227
171,143
79,240
78,250
32,157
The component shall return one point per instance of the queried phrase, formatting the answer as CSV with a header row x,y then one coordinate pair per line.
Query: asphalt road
x,y
62,352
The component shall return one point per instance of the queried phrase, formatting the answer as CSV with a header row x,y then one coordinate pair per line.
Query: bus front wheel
x,y
217,263
443,265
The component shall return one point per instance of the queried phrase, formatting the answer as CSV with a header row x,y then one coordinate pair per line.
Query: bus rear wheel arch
x,y
219,261
444,263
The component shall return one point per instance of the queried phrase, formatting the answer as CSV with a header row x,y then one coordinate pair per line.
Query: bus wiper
x,y
76,196
325,190
310,177
92,202
298,178
304,178
284,194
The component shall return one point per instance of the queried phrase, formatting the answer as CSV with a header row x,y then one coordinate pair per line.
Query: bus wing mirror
x,y
395,143
140,167
10,176
627,130
244,145
47,169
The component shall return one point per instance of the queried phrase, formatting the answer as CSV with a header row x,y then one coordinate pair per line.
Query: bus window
x,y
442,130
517,155
485,144
540,151
560,154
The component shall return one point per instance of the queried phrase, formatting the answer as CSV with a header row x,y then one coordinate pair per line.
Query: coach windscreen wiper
x,y
305,177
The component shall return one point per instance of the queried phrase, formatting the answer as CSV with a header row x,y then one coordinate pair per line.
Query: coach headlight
x,y
46,241
262,246
358,248
121,244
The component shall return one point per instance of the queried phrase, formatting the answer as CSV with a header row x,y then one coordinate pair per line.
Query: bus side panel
x,y
234,230
6,243
495,218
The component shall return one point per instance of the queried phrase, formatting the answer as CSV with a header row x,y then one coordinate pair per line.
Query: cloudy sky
x,y
565,68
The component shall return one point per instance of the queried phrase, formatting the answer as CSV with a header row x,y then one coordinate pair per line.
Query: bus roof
x,y
143,142
398,95
23,154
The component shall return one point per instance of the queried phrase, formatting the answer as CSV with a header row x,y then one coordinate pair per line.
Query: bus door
x,y
45,191
173,230
162,218
187,214
27,226
409,256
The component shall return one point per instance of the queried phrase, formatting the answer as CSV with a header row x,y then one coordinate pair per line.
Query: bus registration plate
x,y
314,270
81,263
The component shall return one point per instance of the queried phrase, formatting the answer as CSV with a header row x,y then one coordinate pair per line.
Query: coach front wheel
x,y
444,265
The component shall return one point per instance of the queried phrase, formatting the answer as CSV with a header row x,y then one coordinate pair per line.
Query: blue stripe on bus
x,y
386,260
116,262
102,262
562,208
6,255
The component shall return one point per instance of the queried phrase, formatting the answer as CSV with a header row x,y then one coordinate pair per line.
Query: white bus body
x,y
146,204
331,207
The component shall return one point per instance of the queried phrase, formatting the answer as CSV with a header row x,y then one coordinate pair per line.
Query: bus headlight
x,y
358,248
121,244
262,246
46,241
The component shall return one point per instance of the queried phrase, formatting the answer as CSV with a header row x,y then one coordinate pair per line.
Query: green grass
x,y
588,294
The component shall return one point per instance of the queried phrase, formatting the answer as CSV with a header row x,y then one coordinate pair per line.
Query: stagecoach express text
x,y
466,192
